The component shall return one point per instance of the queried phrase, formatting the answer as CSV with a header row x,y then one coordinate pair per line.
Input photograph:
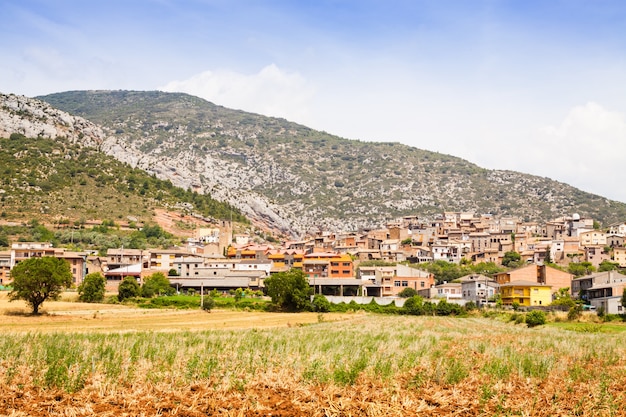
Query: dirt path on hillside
x,y
178,224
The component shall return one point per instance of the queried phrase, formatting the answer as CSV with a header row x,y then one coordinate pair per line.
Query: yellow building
x,y
619,256
526,293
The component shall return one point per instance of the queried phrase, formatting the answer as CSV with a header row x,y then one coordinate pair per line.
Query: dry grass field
x,y
80,360
68,315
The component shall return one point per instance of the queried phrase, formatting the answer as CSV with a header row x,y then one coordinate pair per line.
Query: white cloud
x,y
272,91
587,150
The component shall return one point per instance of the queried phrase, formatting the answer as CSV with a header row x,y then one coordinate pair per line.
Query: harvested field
x,y
75,317
348,365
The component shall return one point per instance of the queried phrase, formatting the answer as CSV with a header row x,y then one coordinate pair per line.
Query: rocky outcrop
x,y
35,118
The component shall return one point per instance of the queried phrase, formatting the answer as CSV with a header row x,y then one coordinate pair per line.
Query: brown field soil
x,y
578,380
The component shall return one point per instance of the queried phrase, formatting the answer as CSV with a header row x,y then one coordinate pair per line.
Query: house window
x,y
422,284
396,283
405,283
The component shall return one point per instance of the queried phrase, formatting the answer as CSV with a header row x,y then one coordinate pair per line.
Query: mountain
x,y
52,170
295,179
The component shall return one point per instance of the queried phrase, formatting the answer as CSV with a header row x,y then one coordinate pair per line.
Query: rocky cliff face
x,y
35,118
286,176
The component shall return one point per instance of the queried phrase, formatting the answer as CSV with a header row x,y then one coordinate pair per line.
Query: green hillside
x,y
58,182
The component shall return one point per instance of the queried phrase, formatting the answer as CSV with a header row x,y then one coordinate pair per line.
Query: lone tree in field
x,y
289,290
92,289
37,279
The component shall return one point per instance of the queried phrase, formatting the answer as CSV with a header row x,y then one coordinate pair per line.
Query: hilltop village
x,y
382,263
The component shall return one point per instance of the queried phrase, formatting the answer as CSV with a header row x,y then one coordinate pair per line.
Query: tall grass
x,y
395,353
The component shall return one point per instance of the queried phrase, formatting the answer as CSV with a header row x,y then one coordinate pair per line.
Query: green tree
x,y
408,292
563,298
511,259
444,270
37,279
156,284
128,288
289,290
580,269
624,299
485,268
607,266
92,289
548,257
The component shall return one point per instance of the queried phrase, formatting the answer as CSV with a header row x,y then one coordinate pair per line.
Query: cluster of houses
x,y
336,263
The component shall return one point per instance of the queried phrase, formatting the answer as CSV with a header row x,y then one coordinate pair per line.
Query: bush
x,y
208,304
535,318
341,307
252,304
470,306
177,301
321,303
407,293
444,308
518,318
237,294
414,306
354,306
575,312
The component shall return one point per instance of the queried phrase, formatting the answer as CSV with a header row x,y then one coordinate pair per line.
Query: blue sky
x,y
531,86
